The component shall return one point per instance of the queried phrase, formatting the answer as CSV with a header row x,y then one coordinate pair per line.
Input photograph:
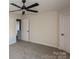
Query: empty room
x,y
39,29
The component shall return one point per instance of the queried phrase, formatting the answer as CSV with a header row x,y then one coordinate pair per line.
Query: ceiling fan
x,y
24,7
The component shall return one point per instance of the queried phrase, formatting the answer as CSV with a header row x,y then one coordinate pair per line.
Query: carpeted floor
x,y
27,50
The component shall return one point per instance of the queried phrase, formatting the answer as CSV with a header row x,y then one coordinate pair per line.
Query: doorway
x,y
18,29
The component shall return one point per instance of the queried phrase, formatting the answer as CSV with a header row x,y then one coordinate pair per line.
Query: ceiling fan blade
x,y
33,11
33,5
15,10
15,5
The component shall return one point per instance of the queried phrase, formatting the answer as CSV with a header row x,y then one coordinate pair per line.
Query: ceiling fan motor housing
x,y
23,1
23,7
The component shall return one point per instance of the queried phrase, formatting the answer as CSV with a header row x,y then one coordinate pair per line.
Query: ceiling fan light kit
x,y
24,7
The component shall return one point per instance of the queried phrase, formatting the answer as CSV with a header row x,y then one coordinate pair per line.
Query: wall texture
x,y
44,28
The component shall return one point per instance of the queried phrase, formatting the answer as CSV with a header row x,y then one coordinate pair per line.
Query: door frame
x,y
20,22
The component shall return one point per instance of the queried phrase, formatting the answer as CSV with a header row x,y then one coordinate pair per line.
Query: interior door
x,y
64,31
25,29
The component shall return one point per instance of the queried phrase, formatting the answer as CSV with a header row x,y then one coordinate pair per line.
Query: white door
x,y
64,31
25,29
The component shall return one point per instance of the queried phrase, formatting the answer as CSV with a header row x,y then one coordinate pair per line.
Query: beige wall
x,y
43,28
12,28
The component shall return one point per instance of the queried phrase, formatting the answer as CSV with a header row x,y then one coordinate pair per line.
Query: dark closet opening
x,y
18,29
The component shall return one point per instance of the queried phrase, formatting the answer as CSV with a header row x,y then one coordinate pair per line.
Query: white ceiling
x,y
44,5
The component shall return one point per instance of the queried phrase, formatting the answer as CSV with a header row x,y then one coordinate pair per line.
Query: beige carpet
x,y
27,50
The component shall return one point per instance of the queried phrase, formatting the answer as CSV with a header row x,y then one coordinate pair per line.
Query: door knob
x,y
62,34
28,31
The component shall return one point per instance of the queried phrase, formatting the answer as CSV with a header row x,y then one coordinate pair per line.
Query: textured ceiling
x,y
44,5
